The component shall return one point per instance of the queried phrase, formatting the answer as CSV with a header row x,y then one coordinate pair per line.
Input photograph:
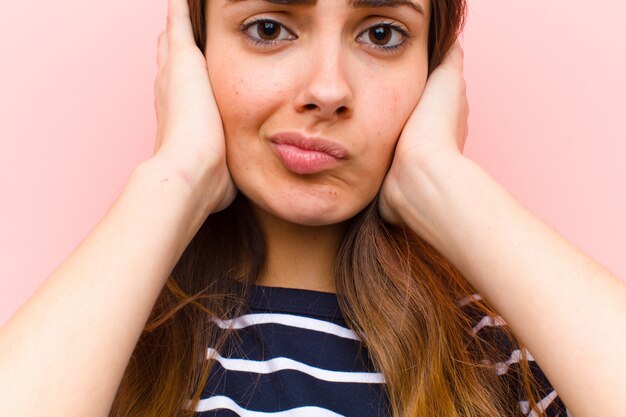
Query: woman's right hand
x,y
190,135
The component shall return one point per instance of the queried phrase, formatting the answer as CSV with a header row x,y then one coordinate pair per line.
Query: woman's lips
x,y
306,155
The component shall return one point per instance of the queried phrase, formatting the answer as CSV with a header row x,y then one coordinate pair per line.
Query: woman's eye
x,y
266,32
384,36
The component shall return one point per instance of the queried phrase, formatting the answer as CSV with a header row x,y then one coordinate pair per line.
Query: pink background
x,y
545,83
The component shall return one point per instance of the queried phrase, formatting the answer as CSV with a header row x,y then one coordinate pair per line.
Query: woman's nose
x,y
326,92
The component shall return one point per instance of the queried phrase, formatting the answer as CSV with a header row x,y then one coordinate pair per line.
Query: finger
x,y
157,141
177,7
454,57
157,145
162,50
179,24
162,55
450,72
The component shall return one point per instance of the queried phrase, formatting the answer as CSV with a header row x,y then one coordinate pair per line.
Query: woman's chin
x,y
313,220
305,213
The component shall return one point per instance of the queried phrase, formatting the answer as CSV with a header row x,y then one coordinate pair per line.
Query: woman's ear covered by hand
x,y
190,135
436,130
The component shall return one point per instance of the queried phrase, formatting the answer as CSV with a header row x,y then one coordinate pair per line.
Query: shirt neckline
x,y
295,301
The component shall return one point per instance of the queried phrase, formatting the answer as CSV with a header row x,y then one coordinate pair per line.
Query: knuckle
x,y
460,83
172,22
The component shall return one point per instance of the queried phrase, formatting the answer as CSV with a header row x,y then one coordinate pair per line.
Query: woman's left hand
x,y
542,286
436,129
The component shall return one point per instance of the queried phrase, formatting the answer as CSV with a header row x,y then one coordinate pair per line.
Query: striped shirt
x,y
295,356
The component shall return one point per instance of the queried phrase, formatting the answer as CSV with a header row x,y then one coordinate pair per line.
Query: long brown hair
x,y
394,290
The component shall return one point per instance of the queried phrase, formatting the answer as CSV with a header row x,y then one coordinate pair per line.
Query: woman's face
x,y
313,97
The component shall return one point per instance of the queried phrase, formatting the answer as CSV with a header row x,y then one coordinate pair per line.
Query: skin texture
x,y
546,289
264,90
530,274
351,92
565,307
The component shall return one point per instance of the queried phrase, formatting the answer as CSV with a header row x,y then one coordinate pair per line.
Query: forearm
x,y
568,310
65,351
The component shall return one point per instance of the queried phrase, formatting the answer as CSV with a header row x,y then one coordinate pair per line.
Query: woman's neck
x,y
299,256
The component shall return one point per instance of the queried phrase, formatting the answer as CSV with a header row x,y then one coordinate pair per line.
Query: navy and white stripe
x,y
295,356
489,329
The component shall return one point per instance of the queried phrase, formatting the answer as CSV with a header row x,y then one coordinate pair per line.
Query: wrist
x,y
202,180
168,190
425,206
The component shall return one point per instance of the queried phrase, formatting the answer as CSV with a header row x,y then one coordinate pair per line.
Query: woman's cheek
x,y
385,118
399,94
387,125
248,99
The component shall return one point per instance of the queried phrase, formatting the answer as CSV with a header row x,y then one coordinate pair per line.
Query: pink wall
x,y
545,84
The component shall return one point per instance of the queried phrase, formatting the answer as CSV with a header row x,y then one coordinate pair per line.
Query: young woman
x,y
309,240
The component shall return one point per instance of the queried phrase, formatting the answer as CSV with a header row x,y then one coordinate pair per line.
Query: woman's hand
x,y
436,129
190,135
545,288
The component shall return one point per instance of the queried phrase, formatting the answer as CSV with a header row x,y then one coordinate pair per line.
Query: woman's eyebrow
x,y
387,3
352,3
